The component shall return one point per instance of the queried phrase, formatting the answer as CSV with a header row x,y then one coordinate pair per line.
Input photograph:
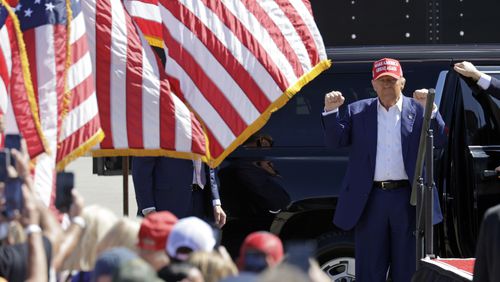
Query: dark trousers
x,y
384,237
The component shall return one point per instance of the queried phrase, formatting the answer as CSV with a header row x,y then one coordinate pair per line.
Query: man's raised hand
x,y
468,70
421,96
333,100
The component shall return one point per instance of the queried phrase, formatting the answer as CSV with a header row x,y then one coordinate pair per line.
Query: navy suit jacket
x,y
358,129
166,184
494,89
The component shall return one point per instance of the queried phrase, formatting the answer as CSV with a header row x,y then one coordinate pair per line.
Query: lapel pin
x,y
410,116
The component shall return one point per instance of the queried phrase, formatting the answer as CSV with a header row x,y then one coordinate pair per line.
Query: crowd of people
x,y
178,238
96,245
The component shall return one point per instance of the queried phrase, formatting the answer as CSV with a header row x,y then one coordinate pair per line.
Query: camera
x,y
65,182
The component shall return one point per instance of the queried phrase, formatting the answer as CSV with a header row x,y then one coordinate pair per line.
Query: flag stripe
x,y
78,30
50,70
29,36
183,130
133,86
148,27
102,56
5,40
119,41
150,101
167,119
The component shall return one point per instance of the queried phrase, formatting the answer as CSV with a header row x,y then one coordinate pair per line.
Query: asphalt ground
x,y
102,190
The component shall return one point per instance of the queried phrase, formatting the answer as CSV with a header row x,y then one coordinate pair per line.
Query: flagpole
x,y
125,185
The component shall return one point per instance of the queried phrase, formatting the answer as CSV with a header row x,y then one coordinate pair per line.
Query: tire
x,y
335,255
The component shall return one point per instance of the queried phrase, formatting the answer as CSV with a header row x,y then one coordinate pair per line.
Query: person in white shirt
x,y
374,198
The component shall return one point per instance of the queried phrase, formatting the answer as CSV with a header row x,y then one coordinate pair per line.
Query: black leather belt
x,y
391,184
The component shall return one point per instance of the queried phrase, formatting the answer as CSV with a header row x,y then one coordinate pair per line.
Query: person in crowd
x,y
212,265
73,232
157,179
109,262
488,83
374,199
136,270
254,193
182,271
260,250
153,236
122,234
29,260
488,248
188,235
98,221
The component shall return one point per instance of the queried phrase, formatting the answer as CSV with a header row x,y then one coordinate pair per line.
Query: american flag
x,y
146,14
237,61
61,71
17,97
139,114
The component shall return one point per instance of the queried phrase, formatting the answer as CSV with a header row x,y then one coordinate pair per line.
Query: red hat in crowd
x,y
387,66
264,242
155,229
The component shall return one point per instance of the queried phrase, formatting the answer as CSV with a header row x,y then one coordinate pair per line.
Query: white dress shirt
x,y
389,164
484,81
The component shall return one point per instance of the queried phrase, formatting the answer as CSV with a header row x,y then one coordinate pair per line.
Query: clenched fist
x,y
333,100
421,96
467,69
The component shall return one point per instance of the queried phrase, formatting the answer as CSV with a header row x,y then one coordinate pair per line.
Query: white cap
x,y
190,232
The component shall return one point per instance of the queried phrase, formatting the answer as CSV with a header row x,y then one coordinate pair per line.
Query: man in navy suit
x,y
183,187
374,199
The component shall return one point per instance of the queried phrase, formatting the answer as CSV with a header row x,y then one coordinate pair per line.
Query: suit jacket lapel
x,y
407,119
370,122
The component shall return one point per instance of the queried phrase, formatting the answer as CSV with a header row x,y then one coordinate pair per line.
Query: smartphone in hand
x,y
65,182
4,162
13,197
13,141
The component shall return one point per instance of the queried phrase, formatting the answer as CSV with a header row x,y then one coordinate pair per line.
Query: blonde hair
x,y
98,221
212,266
124,233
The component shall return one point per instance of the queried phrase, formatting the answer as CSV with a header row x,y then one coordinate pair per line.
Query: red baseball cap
x,y
387,66
155,229
264,242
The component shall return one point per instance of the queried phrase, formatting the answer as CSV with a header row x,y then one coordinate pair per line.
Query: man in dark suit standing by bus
x,y
183,187
374,199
